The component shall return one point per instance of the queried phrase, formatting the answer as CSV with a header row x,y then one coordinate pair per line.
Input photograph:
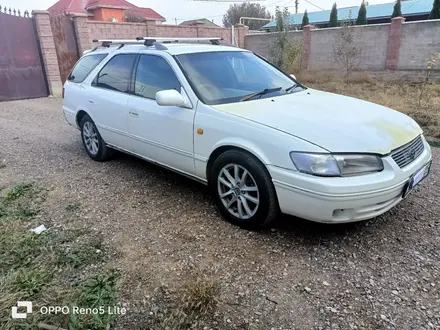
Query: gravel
x,y
164,231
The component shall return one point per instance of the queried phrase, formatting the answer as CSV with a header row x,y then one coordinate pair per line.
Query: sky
x,y
181,10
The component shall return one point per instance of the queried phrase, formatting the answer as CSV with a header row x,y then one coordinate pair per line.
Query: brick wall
x,y
107,14
109,30
419,40
48,51
101,30
262,43
398,45
373,41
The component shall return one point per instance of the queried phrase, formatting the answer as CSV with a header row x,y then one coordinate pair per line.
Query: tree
x,y
133,18
282,18
435,12
246,9
283,52
346,49
397,11
431,64
279,19
305,20
362,15
333,22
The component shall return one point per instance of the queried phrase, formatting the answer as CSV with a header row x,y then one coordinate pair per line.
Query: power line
x,y
313,4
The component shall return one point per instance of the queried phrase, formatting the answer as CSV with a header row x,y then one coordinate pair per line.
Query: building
x,y
201,21
106,10
413,10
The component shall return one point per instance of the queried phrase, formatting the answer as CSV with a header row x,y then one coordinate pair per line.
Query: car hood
x,y
334,122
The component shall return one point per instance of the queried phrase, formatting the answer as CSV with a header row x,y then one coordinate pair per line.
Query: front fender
x,y
244,144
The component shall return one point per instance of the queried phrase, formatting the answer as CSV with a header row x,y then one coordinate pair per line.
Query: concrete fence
x,y
398,45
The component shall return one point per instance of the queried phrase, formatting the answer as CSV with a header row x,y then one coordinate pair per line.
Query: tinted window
x,y
84,66
154,74
116,74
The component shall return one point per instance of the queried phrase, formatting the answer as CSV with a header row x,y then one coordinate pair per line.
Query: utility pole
x,y
296,6
175,20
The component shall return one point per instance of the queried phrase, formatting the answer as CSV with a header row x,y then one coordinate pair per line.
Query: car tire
x,y
93,143
246,197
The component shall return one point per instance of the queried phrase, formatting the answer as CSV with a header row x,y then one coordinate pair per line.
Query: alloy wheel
x,y
238,191
91,138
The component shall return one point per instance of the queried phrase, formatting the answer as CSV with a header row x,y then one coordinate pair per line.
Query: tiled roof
x,y
383,10
80,6
69,6
146,13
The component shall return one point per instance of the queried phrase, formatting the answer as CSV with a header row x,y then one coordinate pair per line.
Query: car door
x,y
108,99
163,134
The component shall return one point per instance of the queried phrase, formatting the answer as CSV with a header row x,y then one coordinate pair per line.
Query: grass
x,y
435,144
31,281
21,201
73,207
50,269
17,191
80,256
192,306
95,292
403,96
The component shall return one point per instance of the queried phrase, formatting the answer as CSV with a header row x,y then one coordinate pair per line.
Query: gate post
x,y
307,41
240,32
83,39
151,28
395,36
48,52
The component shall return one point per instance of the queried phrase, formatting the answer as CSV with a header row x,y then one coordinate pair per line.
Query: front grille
x,y
405,155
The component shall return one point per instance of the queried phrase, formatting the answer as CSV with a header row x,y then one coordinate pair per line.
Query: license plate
x,y
416,179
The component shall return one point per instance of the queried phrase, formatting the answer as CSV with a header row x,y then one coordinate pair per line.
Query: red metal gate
x,y
65,43
21,72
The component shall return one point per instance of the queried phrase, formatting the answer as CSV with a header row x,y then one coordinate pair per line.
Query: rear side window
x,y
84,66
116,74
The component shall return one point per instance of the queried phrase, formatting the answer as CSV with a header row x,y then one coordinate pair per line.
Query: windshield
x,y
227,77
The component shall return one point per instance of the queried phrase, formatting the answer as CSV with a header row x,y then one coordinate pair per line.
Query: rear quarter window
x,y
84,66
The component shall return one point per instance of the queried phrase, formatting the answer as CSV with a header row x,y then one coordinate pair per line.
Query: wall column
x,y
307,41
394,40
83,38
48,51
240,32
151,29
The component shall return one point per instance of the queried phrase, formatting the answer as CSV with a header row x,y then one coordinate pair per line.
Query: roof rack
x,y
149,41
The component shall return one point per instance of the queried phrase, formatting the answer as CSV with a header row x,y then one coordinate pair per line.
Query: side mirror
x,y
170,97
293,76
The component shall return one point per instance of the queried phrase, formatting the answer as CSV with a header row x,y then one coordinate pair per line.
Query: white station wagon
x,y
261,141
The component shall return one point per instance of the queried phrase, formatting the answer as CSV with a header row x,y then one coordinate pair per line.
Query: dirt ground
x,y
164,234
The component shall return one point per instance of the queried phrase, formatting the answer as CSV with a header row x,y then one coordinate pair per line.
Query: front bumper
x,y
348,199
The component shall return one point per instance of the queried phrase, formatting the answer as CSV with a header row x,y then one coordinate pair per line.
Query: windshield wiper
x,y
260,93
291,87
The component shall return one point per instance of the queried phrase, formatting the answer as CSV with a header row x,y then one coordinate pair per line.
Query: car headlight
x,y
336,164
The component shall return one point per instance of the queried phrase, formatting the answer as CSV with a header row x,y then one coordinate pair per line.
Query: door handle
x,y
91,101
134,113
